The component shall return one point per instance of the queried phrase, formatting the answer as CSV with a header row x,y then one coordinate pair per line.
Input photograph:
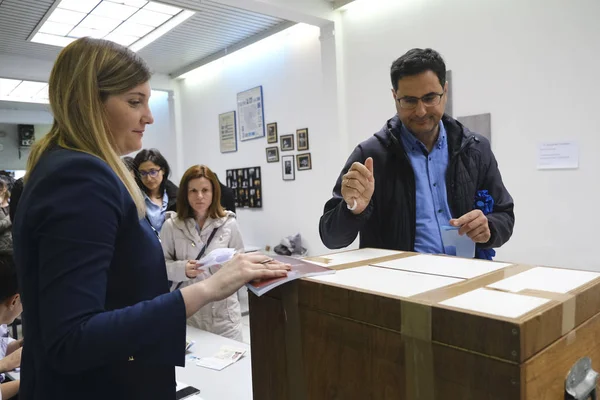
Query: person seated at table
x,y
10,308
200,226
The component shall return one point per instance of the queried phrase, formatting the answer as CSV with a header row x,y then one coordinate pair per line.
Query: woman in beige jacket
x,y
201,224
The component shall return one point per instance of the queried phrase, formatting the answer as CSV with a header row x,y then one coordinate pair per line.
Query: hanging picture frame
x,y
251,114
287,168
227,132
287,142
303,162
272,154
302,139
272,132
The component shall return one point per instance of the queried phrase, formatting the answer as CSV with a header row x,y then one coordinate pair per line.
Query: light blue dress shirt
x,y
432,210
156,213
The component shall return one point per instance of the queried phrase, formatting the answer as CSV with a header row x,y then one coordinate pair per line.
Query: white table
x,y
233,382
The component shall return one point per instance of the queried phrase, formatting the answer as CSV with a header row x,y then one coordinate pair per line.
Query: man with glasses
x,y
422,171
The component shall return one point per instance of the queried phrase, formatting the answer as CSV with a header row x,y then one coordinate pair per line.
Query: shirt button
x,y
440,210
429,158
435,184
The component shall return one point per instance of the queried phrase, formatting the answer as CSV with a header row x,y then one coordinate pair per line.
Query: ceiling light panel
x,y
133,23
114,10
27,89
162,8
84,6
66,16
151,18
100,23
54,28
7,85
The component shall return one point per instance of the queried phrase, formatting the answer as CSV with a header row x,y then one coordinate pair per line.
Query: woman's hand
x,y
243,268
191,269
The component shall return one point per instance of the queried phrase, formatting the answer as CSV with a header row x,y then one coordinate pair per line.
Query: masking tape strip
x,y
568,306
293,343
324,260
418,351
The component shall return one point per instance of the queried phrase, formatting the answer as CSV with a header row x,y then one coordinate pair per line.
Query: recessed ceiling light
x,y
84,6
133,23
55,28
7,85
66,16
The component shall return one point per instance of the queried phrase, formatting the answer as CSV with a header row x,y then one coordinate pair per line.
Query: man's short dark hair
x,y
417,61
9,285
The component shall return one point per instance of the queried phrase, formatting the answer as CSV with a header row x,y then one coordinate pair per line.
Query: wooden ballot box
x,y
406,326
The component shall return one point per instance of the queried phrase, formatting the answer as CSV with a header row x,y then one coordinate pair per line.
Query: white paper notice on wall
x,y
558,155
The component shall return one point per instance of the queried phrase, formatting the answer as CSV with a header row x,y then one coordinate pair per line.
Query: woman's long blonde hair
x,y
85,73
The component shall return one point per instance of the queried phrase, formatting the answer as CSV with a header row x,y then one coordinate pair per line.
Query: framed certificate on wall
x,y
250,109
227,132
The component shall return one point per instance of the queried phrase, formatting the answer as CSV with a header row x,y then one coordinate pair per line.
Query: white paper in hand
x,y
216,257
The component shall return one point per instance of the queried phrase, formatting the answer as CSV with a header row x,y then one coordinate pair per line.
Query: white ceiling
x,y
214,28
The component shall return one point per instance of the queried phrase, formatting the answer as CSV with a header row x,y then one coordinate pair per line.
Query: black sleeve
x,y
15,195
338,226
502,219
227,199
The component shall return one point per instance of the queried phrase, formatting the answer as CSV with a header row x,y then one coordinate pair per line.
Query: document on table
x,y
226,356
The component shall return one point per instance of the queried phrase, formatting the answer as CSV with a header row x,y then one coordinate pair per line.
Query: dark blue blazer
x,y
99,318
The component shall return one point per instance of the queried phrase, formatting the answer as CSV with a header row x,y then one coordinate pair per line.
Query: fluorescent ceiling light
x,y
133,23
66,16
151,18
54,40
27,89
23,91
155,34
7,85
93,33
135,3
54,28
84,6
114,10
100,23
132,29
162,8
123,40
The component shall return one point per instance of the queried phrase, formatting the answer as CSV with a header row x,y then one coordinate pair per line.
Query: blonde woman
x,y
200,226
100,320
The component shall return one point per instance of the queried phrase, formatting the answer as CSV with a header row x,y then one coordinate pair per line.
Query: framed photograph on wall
x,y
251,116
287,142
272,154
302,137
227,132
272,132
303,162
287,168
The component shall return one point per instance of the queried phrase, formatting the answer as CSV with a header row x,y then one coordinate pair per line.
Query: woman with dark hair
x,y
161,194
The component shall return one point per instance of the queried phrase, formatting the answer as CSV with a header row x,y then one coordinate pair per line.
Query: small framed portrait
x,y
302,137
272,132
287,142
303,161
287,168
272,154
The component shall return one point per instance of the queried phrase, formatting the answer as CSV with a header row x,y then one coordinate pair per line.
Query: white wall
x,y
288,66
161,134
534,66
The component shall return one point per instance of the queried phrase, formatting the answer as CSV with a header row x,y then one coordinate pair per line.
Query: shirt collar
x,y
415,144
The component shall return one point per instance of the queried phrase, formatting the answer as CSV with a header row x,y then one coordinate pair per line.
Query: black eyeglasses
x,y
429,100
151,172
